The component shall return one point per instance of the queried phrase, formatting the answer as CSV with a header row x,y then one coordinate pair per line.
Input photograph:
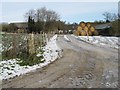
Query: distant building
x,y
103,29
21,27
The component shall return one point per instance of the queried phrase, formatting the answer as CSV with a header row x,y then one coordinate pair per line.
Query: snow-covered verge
x,y
11,68
101,40
52,51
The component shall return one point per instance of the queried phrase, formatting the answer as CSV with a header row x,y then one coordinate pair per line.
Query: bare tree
x,y
30,13
114,17
52,15
110,16
107,16
42,14
44,19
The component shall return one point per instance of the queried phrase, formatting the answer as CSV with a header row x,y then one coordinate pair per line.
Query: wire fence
x,y
15,45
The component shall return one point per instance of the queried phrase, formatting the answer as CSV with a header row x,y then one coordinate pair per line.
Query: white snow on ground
x,y
1,49
11,68
52,51
66,38
101,40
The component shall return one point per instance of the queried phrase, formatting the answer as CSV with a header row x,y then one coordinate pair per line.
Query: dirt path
x,y
79,67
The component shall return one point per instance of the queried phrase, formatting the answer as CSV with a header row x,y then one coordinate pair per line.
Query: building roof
x,y
103,26
20,25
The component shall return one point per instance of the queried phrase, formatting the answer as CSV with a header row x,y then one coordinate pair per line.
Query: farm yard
x,y
49,48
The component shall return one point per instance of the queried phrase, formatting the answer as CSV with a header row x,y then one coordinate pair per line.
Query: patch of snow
x,y
100,40
52,51
11,68
66,38
39,54
109,78
1,49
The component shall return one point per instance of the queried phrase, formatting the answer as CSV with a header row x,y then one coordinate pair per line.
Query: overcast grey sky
x,y
69,11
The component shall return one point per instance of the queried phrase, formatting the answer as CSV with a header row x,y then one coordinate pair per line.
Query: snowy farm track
x,y
82,65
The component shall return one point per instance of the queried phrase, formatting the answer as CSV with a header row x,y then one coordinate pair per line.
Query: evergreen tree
x,y
31,25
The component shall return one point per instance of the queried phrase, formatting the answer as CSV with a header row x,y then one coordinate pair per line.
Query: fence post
x,y
31,44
